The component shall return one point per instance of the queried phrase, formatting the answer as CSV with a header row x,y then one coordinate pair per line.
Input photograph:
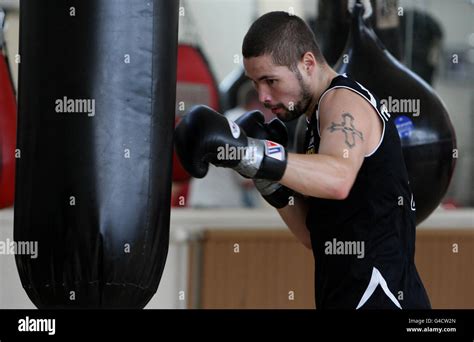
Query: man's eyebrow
x,y
261,78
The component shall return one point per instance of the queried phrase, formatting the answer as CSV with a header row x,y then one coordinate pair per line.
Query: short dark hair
x,y
285,37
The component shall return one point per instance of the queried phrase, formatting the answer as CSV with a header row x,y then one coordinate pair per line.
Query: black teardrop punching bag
x,y
96,114
427,136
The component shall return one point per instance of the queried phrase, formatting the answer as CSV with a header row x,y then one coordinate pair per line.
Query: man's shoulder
x,y
342,98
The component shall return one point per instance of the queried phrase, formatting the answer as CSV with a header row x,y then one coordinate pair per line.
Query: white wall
x,y
302,8
219,28
12,295
457,17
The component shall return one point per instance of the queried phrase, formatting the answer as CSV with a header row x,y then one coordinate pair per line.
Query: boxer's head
x,y
283,60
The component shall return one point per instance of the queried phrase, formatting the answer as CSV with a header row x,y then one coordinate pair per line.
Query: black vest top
x,y
368,239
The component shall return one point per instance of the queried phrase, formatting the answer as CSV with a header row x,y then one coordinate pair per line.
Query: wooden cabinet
x,y
251,269
445,261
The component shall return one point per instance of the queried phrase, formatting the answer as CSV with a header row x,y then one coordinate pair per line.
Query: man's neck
x,y
325,78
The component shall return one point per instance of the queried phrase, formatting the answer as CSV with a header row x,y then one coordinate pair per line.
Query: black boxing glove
x,y
253,123
204,136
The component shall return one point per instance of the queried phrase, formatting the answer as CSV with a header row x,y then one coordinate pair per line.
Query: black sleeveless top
x,y
366,241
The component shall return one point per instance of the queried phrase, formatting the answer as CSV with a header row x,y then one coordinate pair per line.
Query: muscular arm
x,y
349,129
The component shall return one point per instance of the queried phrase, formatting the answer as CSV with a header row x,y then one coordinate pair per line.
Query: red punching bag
x,y
427,136
195,80
7,133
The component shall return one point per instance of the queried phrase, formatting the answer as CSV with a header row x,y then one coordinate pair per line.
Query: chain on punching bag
x,y
427,136
96,114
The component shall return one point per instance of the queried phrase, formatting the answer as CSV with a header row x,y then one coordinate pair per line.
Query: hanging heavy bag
x,y
96,116
427,136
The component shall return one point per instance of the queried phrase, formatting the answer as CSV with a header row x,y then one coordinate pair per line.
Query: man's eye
x,y
271,82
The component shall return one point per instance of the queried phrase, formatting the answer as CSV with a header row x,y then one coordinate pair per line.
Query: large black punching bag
x,y
96,114
427,136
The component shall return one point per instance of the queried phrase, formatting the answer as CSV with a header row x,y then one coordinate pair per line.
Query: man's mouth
x,y
275,110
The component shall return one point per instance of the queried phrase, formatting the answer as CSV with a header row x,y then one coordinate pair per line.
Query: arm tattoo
x,y
347,127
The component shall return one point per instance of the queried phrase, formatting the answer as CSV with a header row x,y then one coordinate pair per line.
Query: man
x,y
349,197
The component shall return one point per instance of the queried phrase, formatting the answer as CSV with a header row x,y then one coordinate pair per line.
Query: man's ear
x,y
309,62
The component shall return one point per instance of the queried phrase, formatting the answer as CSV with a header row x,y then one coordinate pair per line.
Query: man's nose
x,y
264,97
